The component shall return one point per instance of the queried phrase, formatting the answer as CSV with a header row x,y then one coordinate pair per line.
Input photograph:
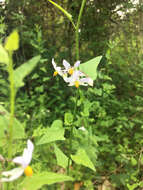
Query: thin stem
x,y
12,102
71,131
77,28
69,16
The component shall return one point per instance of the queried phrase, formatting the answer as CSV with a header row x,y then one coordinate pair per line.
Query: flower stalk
x,y
77,29
71,130
12,103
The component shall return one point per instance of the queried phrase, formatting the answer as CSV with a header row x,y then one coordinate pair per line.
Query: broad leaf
x,y
46,178
18,129
62,159
54,133
12,41
90,67
23,70
3,55
82,158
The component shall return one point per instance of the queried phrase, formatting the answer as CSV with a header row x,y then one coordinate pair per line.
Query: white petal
x,y
71,84
77,63
59,70
27,154
83,81
18,160
81,74
30,146
90,81
54,64
25,159
66,65
12,174
66,79
75,75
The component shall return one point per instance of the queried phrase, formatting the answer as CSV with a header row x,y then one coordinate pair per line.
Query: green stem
x,y
77,28
69,16
71,131
12,102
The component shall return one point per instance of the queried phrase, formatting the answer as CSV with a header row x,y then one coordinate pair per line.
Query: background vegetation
x,y
111,111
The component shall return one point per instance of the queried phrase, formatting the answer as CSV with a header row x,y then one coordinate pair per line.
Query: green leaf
x,y
12,41
54,133
133,161
3,55
68,118
18,129
82,158
132,187
22,71
62,159
46,178
90,67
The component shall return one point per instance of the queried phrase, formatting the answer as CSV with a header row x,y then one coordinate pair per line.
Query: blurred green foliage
x,y
111,112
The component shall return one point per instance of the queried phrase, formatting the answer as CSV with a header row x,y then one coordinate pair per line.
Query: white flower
x,y
78,78
23,161
69,68
82,128
58,70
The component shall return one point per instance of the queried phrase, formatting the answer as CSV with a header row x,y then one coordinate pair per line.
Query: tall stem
x,y
12,104
72,127
77,92
77,28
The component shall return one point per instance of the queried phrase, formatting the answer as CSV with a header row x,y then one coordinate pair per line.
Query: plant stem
x,y
77,92
77,28
69,16
71,131
12,104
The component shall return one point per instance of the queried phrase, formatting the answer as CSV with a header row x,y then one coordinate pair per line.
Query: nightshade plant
x,y
76,75
84,76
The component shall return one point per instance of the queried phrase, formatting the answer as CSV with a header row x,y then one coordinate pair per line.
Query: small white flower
x,y
23,161
69,68
82,128
78,78
58,70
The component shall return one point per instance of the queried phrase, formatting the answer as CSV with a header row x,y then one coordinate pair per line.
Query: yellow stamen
x,y
28,171
55,73
70,71
76,84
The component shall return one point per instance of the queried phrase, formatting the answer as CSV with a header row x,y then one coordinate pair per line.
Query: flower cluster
x,y
72,75
23,161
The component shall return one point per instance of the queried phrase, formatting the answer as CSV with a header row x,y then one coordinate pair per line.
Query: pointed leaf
x,y
62,159
57,124
54,133
90,67
46,178
82,158
3,55
12,41
23,70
